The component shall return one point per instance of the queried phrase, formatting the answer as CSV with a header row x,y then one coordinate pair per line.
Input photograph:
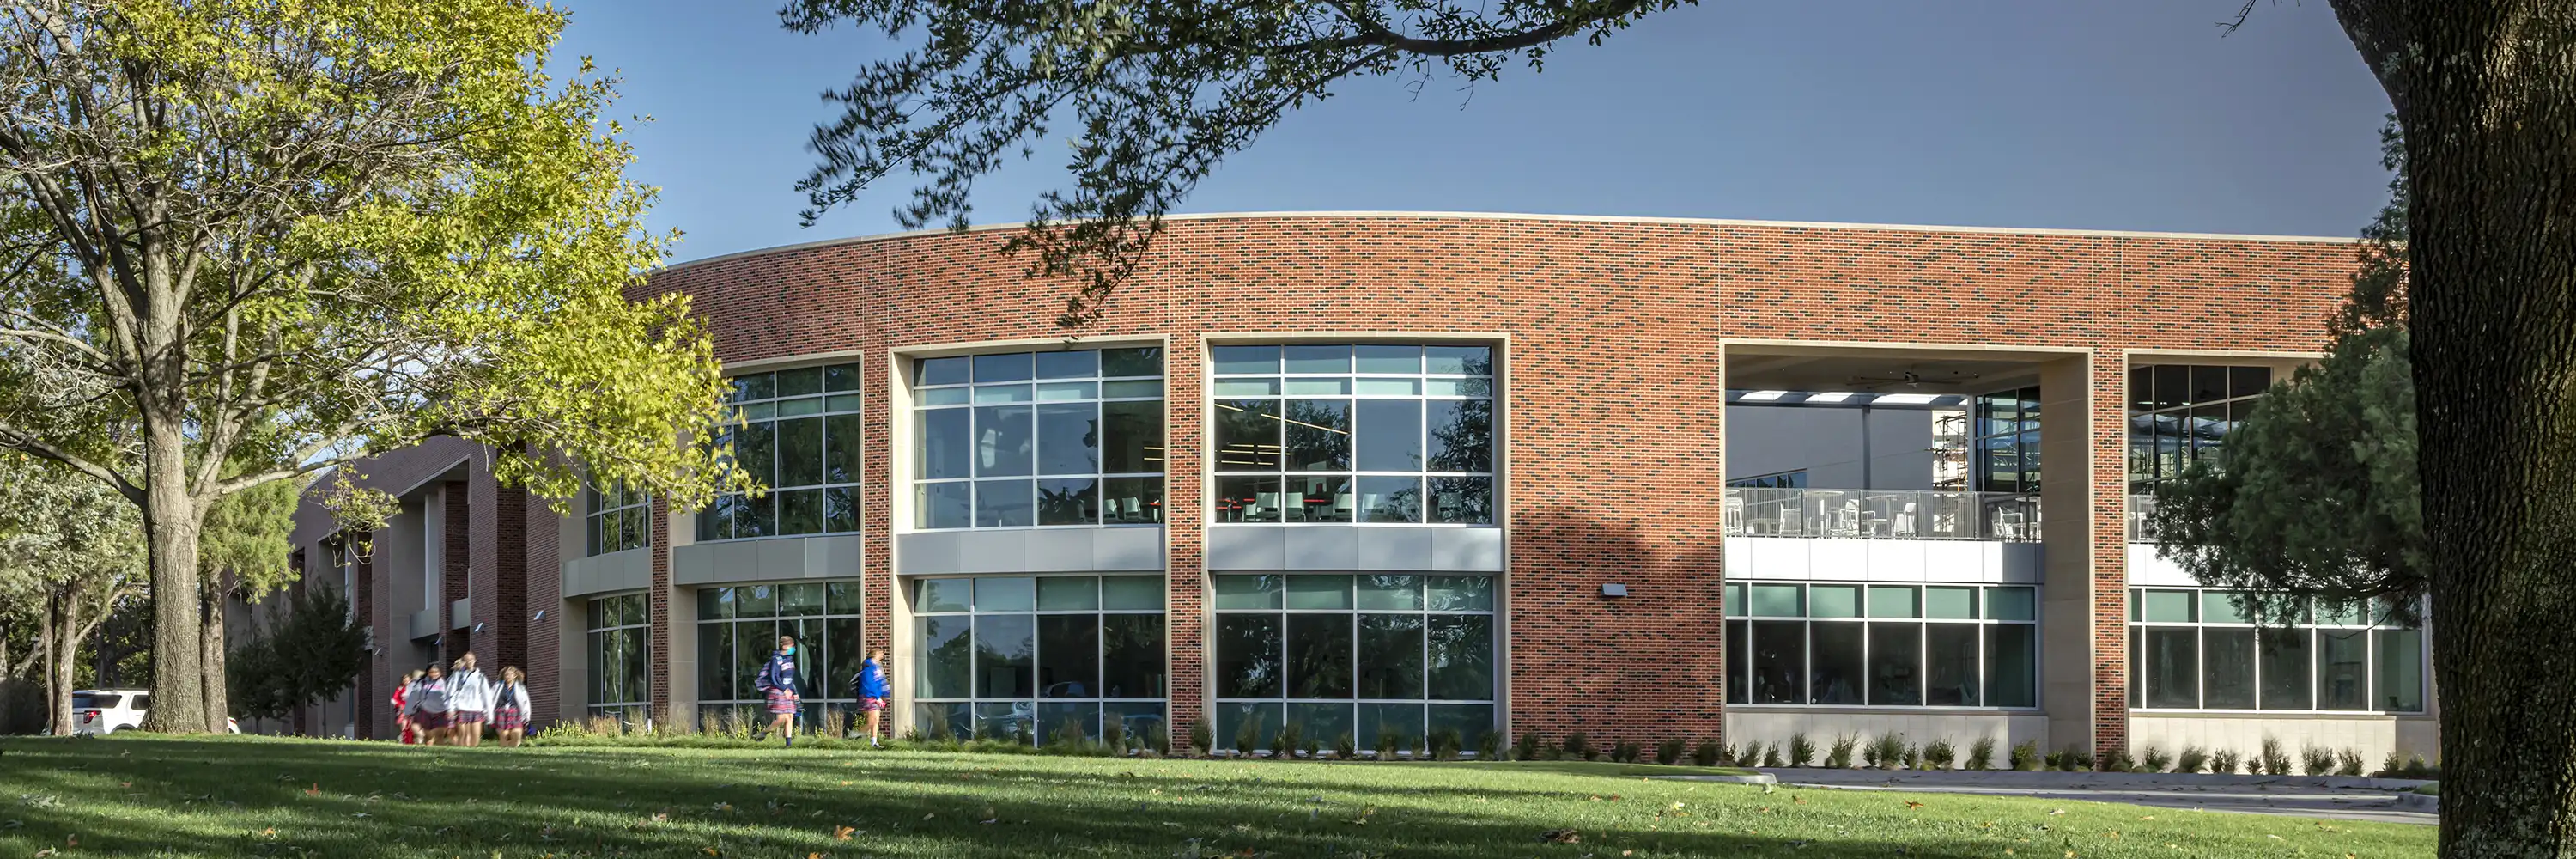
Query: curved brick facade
x,y
1614,335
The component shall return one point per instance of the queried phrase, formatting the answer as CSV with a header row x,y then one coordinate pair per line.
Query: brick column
x,y
660,674
1185,534
500,561
2107,434
456,564
376,683
877,381
542,584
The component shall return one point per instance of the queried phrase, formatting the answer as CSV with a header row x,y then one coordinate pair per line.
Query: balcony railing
x,y
1881,514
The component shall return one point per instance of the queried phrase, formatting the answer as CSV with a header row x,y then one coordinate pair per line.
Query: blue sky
x,y
2015,113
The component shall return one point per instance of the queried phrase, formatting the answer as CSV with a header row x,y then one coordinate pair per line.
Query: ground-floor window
x,y
1874,645
2197,649
620,656
1032,658
1367,655
738,627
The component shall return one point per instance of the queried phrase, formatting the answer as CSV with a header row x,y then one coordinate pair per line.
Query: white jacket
x,y
517,697
472,692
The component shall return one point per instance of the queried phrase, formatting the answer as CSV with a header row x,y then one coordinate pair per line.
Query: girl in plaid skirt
x,y
428,704
510,707
778,683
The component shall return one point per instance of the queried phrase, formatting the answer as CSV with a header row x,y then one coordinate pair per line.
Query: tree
x,y
244,551
304,232
314,649
69,549
2486,90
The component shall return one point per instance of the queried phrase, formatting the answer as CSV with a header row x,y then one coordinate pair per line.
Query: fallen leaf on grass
x,y
2056,811
842,833
1911,805
1561,836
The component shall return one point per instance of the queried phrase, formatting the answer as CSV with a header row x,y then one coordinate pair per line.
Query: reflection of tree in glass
x,y
1462,657
1319,656
1402,505
1319,435
1247,433
1132,651
1462,435
1062,503
1248,648
947,662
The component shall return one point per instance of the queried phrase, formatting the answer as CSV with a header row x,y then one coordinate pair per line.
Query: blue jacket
x,y
871,682
780,673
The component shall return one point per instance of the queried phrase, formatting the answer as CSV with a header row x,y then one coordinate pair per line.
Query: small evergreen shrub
x,y
2389,766
2316,761
2225,762
1114,735
2348,762
2074,758
1445,743
2119,762
1578,746
1913,757
2416,768
1981,754
1202,738
1888,751
1247,736
1489,746
1870,756
1390,742
1669,752
2156,759
1346,747
1751,754
2193,759
1527,748
2025,755
1708,753
1839,755
1940,754
1801,749
2275,758
1771,757
1292,736
1625,751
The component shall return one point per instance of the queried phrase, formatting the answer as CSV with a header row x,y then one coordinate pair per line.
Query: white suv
x,y
98,712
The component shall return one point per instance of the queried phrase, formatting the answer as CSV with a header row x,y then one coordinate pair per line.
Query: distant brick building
x,y
1404,473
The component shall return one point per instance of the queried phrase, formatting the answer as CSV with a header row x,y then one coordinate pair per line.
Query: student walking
x,y
872,688
778,683
510,707
429,706
472,691
402,715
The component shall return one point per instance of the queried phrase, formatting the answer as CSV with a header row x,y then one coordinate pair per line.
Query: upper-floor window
x,y
2179,413
2007,442
799,437
1354,433
619,519
1783,480
1035,439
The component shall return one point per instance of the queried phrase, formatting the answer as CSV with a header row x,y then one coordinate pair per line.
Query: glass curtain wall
x,y
1038,439
738,627
2006,451
800,437
1357,654
2180,413
618,520
620,654
1873,645
2194,649
1343,433
1033,658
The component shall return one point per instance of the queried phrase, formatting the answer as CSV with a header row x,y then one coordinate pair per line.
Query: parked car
x,y
99,712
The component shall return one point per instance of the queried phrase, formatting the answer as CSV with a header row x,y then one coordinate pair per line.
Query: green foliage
x,y
1202,737
1445,742
2119,761
1708,753
2274,758
2316,760
1669,751
1801,749
1159,95
1886,752
2348,762
2025,755
1390,742
313,650
245,536
2193,759
1981,754
2225,762
1285,744
2378,297
1578,746
1940,754
1346,747
1489,745
1839,756
1528,746
1771,756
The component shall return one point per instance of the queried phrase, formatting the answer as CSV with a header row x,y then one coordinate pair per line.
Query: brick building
x,y
1391,472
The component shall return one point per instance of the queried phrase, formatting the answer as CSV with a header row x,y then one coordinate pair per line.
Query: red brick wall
x,y
543,583
500,578
1612,388
456,562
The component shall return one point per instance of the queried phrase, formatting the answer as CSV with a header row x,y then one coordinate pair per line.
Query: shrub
x,y
1578,746
1625,751
1291,737
1346,747
1489,746
1445,743
2225,762
1731,754
941,731
2389,766
2316,761
1708,753
1202,738
1750,755
2157,759
1870,756
2348,762
2416,768
2119,762
2074,758
1839,756
2275,758
1527,748
2025,755
1114,735
1247,736
1887,751
1771,757
1314,748
2192,760
1068,738
1669,752
1940,754
1390,742
1801,749
1913,757
1981,754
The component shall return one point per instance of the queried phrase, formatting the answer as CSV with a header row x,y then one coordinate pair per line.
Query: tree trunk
x,y
2486,90
170,523
64,635
217,705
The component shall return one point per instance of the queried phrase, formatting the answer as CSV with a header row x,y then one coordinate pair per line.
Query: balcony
x,y
1881,514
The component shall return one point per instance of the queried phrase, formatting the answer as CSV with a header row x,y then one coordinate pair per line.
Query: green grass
x,y
135,795
2434,789
1594,768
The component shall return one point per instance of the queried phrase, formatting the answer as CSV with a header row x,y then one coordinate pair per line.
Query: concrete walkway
x,y
2335,797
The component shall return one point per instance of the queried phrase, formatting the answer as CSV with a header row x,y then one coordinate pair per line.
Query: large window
x,y
1360,654
1022,657
2193,649
2179,413
739,626
1037,439
619,651
800,438
618,520
1874,645
1368,433
1783,480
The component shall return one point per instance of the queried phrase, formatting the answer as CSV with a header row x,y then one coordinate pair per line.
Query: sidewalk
x,y
2335,797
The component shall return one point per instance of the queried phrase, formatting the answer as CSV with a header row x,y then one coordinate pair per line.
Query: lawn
x,y
135,795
